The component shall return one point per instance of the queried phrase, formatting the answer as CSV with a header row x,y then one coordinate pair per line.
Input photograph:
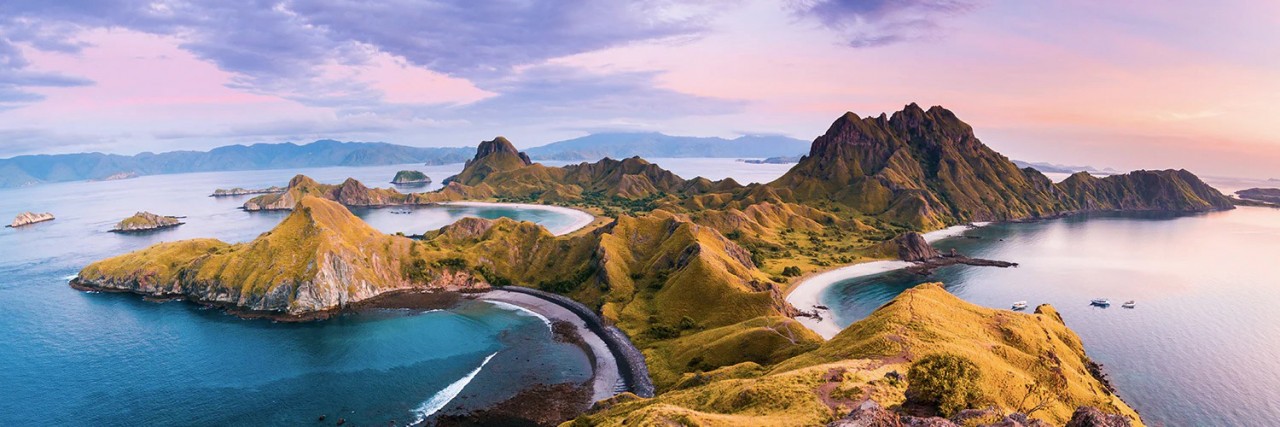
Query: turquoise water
x,y
1199,349
74,358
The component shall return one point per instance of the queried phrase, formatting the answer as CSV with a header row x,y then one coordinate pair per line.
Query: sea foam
x,y
442,398
520,310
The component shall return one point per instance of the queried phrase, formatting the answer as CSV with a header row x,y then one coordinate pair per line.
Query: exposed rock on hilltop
x,y
411,177
493,156
28,218
319,259
145,221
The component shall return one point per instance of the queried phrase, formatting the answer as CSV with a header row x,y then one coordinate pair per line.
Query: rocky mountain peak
x,y
496,146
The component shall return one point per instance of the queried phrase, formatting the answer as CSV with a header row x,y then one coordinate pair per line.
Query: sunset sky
x,y
1141,84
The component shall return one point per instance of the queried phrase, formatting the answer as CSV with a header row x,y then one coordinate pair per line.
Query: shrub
x,y
663,332
791,271
946,381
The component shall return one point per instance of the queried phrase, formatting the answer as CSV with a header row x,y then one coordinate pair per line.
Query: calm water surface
x,y
1201,346
1198,350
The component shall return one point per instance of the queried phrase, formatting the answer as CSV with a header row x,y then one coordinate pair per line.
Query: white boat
x,y
1100,302
1020,305
1129,304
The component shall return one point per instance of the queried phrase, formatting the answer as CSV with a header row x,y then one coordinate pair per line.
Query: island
x,y
780,160
28,218
237,191
411,178
1267,195
145,221
694,273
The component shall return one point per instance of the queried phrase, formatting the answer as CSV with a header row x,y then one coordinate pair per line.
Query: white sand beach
x,y
807,295
580,218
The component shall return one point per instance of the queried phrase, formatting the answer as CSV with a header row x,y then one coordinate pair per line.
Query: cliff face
x,y
28,218
143,221
319,259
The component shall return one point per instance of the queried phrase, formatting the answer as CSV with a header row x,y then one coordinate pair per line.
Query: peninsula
x,y
694,271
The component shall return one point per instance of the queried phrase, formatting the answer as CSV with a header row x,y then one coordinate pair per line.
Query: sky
x,y
1138,84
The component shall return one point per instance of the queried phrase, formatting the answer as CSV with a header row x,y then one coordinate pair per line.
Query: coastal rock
x,y
144,221
237,191
913,247
869,414
28,218
1089,416
410,177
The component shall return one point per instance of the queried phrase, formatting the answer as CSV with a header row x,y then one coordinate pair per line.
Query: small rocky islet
x,y
408,177
692,270
28,218
237,191
145,221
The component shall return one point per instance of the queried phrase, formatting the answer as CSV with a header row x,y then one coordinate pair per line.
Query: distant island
x,y
1056,168
695,273
36,169
145,221
1269,195
28,218
778,160
621,145
237,191
410,177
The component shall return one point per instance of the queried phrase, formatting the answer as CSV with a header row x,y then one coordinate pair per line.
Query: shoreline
x,y
581,218
807,295
606,377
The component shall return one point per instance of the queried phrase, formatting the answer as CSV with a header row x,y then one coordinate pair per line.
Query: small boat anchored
x,y
1101,302
1129,304
1020,305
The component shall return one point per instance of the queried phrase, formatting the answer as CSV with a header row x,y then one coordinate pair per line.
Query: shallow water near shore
x,y
75,358
1200,347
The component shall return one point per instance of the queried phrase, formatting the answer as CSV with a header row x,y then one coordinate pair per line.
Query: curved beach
x,y
807,295
580,218
619,366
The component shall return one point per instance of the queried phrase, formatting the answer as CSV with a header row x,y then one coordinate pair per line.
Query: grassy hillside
x,y
1025,360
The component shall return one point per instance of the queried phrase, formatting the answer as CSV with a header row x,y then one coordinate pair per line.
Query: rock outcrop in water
x,y
410,177
1268,195
145,221
28,218
237,191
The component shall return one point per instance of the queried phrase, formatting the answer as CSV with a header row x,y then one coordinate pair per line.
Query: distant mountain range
x,y
653,145
1056,168
36,169
30,170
